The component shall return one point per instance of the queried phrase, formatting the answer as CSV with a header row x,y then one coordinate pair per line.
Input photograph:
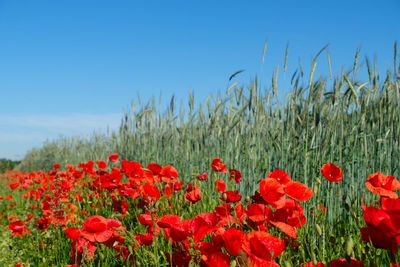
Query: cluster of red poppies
x,y
383,223
231,232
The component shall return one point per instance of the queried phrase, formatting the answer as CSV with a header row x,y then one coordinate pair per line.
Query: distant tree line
x,y
7,164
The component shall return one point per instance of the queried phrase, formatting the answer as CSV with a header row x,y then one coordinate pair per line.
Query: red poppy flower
x,y
392,207
233,239
332,172
168,173
311,264
56,166
101,164
342,262
258,213
168,191
178,259
217,259
180,231
72,232
167,221
152,191
271,190
146,218
154,168
193,195
298,191
18,228
260,244
281,176
235,175
218,166
220,185
201,226
207,248
113,158
202,176
132,169
82,248
291,213
97,228
144,239
286,228
380,237
383,185
223,210
380,231
231,196
178,185
14,185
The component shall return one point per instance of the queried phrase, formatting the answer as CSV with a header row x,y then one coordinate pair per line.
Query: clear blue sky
x,y
71,67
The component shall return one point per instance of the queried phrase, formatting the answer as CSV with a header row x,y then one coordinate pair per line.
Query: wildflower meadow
x,y
241,179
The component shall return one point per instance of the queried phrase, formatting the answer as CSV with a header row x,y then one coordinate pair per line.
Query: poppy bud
x,y
349,247
233,263
287,264
247,199
332,239
315,189
224,196
318,180
318,228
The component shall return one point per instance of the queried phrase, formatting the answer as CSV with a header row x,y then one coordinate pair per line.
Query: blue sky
x,y
71,67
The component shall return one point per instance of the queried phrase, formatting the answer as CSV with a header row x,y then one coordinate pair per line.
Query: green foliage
x,y
7,164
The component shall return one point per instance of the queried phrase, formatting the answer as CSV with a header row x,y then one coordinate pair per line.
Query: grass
x,y
350,122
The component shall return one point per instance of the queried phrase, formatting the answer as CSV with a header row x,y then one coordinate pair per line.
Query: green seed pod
x,y
315,189
349,247
318,228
